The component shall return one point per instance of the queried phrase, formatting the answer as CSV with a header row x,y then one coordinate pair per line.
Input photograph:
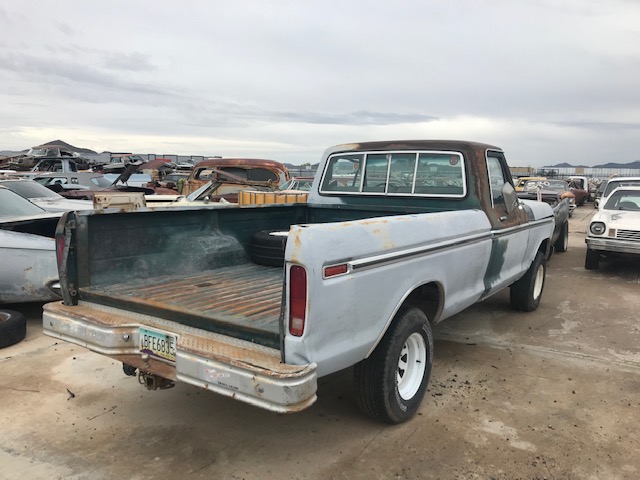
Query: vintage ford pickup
x,y
256,303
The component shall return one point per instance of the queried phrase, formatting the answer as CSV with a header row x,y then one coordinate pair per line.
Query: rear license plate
x,y
158,344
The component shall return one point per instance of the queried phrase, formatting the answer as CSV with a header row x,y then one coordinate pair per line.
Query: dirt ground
x,y
553,394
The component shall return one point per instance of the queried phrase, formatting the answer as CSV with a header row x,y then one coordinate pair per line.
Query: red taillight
x,y
297,300
59,249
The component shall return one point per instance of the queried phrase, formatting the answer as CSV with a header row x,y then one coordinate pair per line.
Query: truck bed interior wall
x,y
181,241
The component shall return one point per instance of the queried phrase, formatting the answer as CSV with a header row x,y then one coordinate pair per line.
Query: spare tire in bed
x,y
267,247
13,327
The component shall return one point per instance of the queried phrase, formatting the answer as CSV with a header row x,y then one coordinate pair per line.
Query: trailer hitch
x,y
154,382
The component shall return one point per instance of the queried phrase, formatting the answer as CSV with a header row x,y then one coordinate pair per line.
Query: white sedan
x,y
615,228
29,272
41,196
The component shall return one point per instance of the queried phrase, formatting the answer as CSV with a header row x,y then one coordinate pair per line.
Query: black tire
x,y
525,294
562,243
386,391
592,260
13,327
267,247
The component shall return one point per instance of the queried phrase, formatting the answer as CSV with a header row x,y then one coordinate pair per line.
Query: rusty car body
x,y
230,175
35,155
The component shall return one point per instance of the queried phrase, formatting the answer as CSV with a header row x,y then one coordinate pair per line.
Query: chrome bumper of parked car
x,y
248,372
613,245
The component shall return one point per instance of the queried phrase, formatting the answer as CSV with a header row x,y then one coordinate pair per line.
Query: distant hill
x,y
565,165
67,146
635,164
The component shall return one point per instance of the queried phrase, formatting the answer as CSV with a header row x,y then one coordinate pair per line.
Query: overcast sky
x,y
548,81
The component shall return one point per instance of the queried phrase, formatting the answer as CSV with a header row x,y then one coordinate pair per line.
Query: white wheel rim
x,y
411,366
539,282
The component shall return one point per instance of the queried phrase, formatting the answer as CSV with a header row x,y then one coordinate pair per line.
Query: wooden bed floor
x,y
248,295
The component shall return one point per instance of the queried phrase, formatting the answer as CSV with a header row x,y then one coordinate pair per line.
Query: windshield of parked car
x,y
29,189
613,184
13,205
101,182
624,200
196,194
297,184
556,185
38,152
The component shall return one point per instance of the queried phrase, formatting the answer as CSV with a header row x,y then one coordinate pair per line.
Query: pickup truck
x,y
258,302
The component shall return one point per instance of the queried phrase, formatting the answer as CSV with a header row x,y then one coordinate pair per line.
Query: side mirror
x,y
206,199
510,197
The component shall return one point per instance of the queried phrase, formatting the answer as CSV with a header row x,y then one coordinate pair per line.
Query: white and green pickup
x,y
257,303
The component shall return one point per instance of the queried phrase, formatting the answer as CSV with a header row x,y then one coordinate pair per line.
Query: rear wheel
x,y
392,382
525,294
13,327
592,260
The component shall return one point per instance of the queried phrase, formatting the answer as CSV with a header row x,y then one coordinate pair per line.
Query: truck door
x,y
509,228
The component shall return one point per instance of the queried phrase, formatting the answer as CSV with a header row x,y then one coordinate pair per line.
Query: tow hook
x,y
154,382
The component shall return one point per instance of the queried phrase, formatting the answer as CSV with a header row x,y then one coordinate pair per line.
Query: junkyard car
x,y
551,191
581,195
615,182
62,182
615,227
42,196
598,194
27,248
234,174
37,154
520,182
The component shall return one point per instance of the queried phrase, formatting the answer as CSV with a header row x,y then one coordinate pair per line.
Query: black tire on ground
x,y
267,247
592,260
13,327
525,294
562,243
392,382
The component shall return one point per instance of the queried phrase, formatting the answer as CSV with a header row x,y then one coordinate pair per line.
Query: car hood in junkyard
x,y
618,219
62,204
29,218
25,241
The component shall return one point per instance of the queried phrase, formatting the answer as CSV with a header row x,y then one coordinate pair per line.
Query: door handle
x,y
503,219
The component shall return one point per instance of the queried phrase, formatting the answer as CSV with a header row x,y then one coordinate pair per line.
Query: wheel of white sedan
x,y
392,382
592,260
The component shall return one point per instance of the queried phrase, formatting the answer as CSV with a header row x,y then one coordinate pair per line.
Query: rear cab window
x,y
404,173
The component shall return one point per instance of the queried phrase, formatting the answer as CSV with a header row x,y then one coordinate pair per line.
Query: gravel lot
x,y
551,394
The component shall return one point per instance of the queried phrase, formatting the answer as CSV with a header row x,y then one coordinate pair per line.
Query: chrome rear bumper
x,y
228,366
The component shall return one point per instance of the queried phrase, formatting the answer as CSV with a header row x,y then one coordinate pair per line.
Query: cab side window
x,y
497,178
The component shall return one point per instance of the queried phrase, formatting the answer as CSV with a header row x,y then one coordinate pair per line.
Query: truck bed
x,y
243,300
